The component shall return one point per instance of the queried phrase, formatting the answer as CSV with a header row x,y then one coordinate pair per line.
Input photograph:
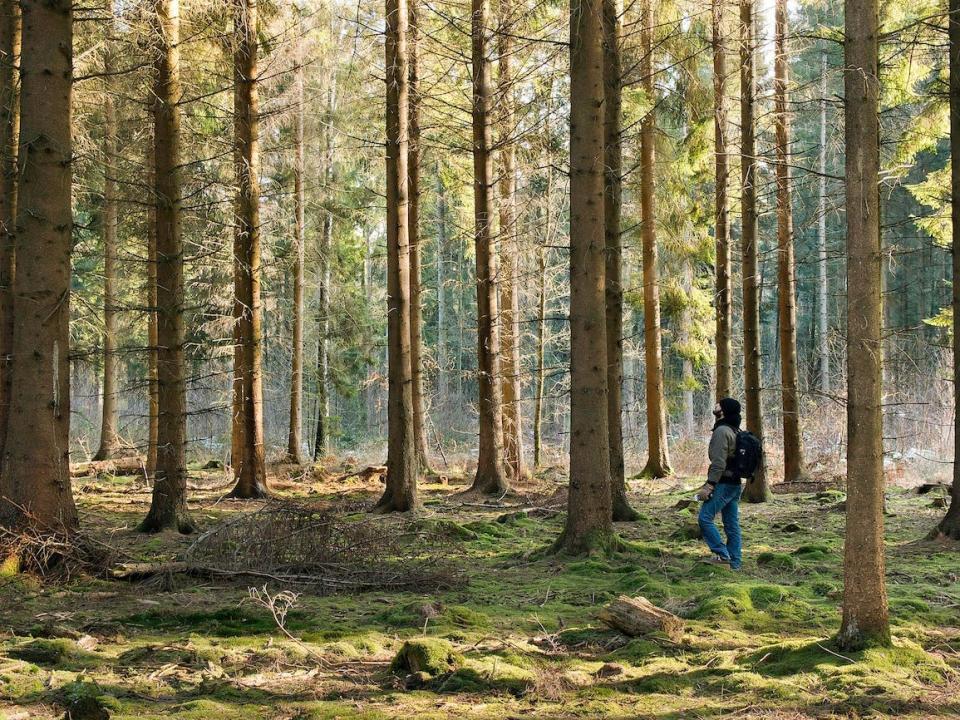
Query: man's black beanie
x,y
730,407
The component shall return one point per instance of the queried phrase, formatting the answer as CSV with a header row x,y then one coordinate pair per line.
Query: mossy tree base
x,y
243,491
490,483
656,468
623,512
592,543
949,527
157,522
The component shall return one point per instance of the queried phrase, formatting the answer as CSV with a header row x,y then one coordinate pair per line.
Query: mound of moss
x,y
777,561
432,656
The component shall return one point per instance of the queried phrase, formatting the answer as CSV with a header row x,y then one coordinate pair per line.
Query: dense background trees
x,y
561,229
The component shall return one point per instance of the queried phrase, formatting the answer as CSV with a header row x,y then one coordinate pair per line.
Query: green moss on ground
x,y
518,636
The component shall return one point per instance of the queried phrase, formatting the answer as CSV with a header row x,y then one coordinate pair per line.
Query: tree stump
x,y
638,616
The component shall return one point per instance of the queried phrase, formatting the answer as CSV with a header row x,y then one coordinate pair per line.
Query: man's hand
x,y
704,493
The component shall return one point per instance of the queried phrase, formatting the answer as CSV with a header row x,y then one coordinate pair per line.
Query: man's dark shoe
x,y
716,560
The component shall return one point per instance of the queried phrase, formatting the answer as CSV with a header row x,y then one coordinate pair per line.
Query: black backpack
x,y
747,455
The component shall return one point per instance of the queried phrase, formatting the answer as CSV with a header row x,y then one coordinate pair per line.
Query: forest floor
x,y
520,626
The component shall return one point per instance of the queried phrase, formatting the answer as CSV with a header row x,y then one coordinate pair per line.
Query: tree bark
x,y
10,29
168,505
35,481
949,526
152,338
250,471
612,204
724,294
442,240
658,457
757,489
865,616
509,253
589,525
794,468
413,213
823,289
321,442
295,433
401,492
490,477
109,438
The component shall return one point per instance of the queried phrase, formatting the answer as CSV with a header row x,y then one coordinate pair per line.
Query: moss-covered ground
x,y
518,630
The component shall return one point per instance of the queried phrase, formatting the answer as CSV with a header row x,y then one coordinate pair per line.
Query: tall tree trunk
x,y
612,203
153,343
401,492
823,294
509,253
109,438
950,525
168,506
413,213
688,381
794,468
724,294
865,618
441,286
250,472
490,477
589,514
757,489
658,457
9,149
540,353
321,442
295,434
35,481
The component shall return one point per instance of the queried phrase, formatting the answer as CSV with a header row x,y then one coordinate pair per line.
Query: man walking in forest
x,y
721,492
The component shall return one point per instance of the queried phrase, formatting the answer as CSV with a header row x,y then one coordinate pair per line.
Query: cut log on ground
x,y
117,466
638,616
371,472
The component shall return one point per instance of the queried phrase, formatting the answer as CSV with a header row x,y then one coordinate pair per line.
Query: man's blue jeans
x,y
726,501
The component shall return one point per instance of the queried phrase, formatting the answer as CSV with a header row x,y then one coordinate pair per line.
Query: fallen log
x,y
367,474
118,466
638,616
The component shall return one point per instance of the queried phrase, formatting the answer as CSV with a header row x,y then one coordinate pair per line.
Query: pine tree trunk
x,y
950,525
168,506
35,481
9,149
612,203
541,348
321,442
589,524
441,288
823,289
413,213
490,477
250,471
794,468
509,253
865,617
658,457
401,492
153,343
757,489
724,294
109,439
295,434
